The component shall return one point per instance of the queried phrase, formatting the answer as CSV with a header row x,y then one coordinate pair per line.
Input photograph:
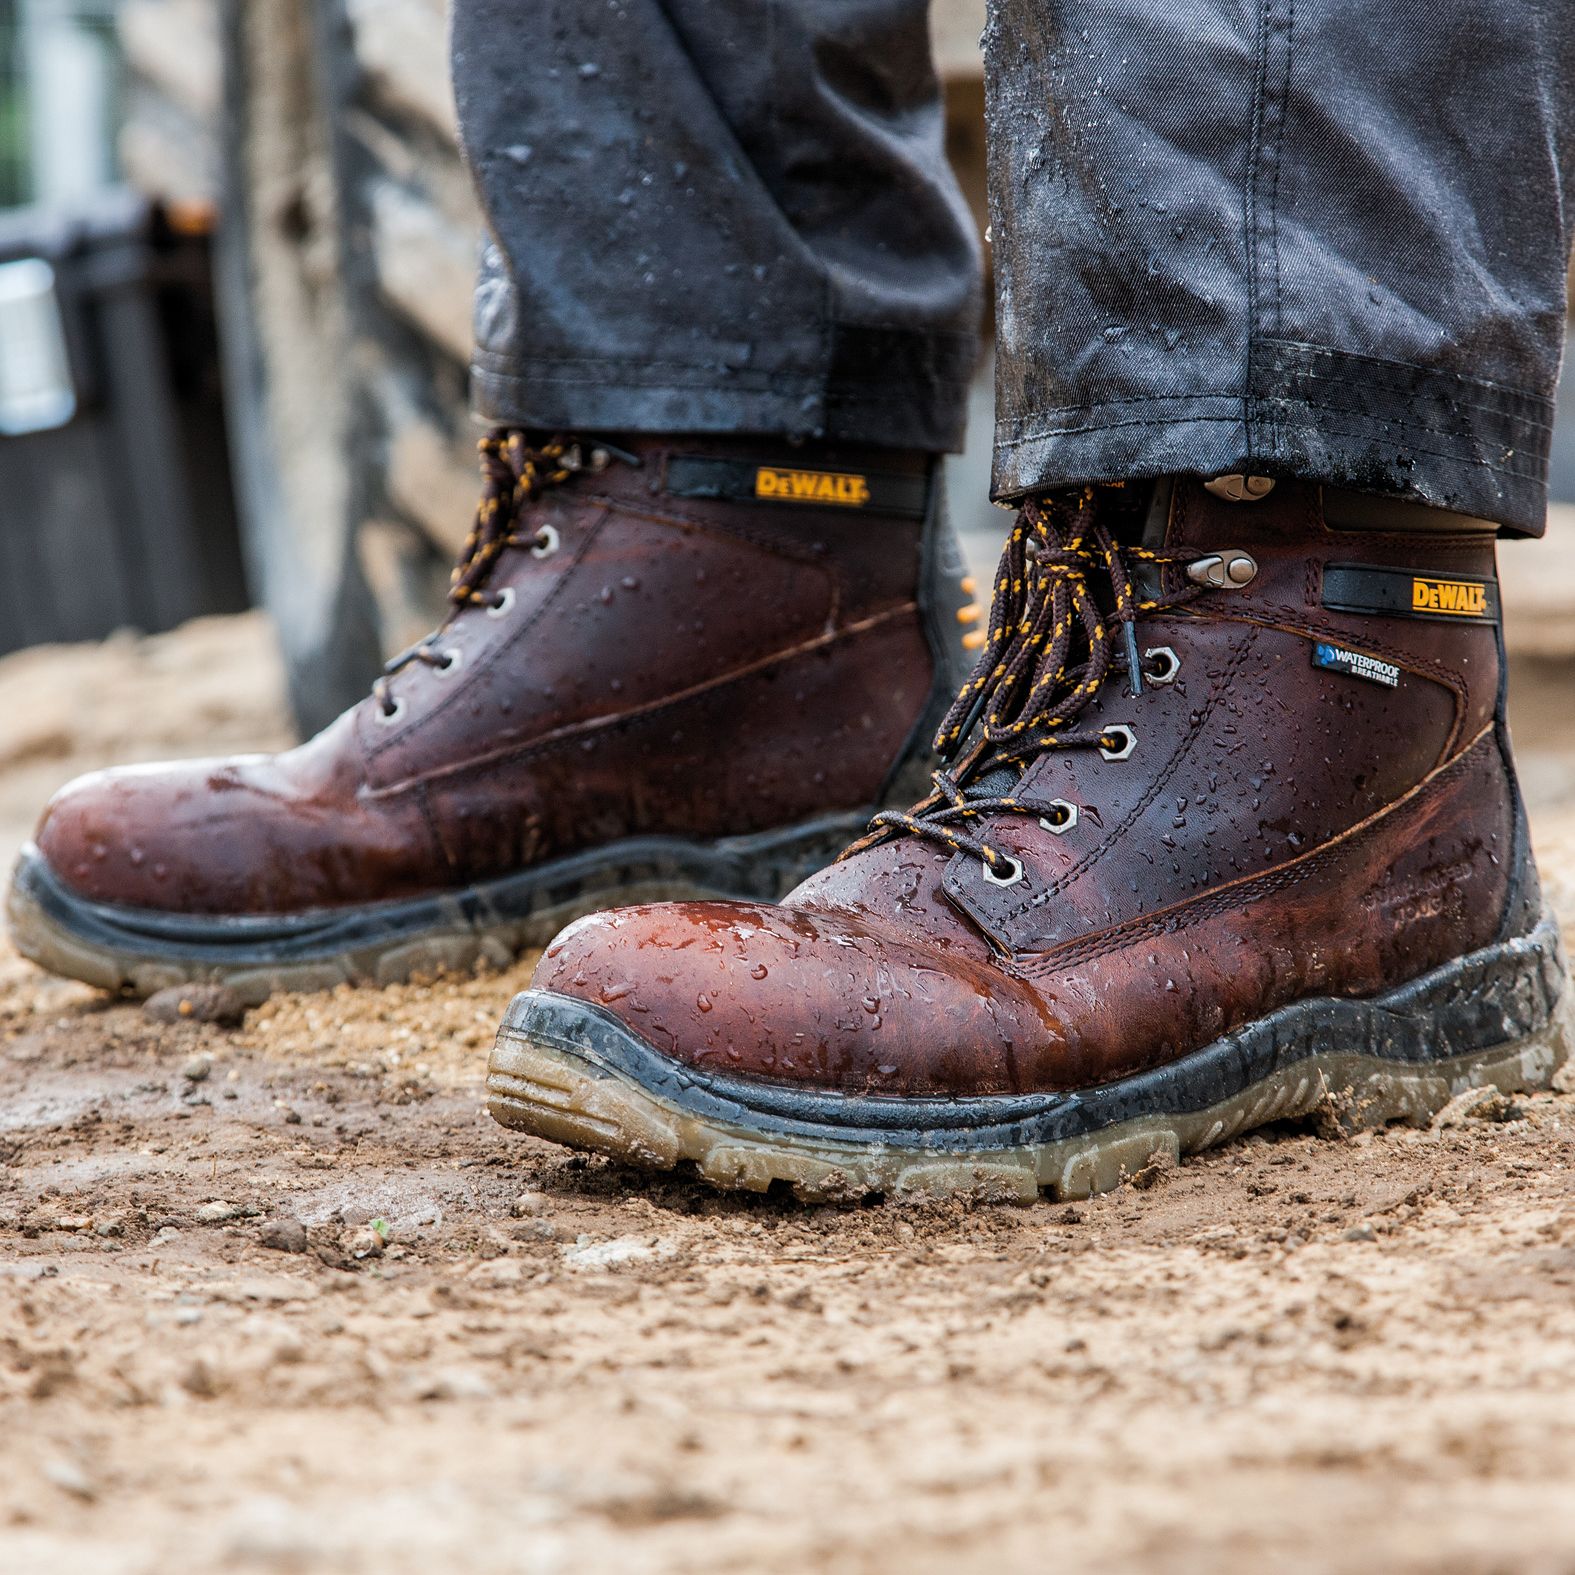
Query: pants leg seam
x,y
1259,410
1279,164
1024,439
1249,237
1509,389
1373,386
1265,303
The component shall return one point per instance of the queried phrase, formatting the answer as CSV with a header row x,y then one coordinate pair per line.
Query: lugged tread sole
x,y
139,952
568,1072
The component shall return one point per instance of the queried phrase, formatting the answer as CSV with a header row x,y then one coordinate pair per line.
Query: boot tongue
x,y
1127,512
995,781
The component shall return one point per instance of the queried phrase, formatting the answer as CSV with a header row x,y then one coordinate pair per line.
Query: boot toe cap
x,y
811,999
248,835
157,837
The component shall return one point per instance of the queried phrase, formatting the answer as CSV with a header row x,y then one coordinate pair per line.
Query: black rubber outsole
x,y
570,1071
141,950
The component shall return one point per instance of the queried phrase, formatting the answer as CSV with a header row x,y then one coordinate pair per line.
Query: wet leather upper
x,y
1279,830
678,666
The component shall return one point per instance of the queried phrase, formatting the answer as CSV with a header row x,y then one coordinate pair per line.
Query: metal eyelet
x,y
1122,731
1005,880
1237,488
1224,571
547,542
1068,817
1171,664
504,605
391,716
453,660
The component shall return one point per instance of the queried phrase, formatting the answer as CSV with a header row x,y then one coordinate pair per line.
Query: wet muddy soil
x,y
281,1297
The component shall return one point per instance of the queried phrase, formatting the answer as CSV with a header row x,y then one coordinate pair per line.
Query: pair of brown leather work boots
x,y
1223,825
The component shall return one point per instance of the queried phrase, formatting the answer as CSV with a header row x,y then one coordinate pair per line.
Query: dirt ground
x,y
282,1298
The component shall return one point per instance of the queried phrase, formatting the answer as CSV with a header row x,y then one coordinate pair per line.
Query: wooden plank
x,y
403,47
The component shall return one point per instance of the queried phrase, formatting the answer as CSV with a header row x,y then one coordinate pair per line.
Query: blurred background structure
x,y
59,100
118,504
321,135
258,242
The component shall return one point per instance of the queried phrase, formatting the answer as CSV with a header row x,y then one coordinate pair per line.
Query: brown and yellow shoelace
x,y
1049,649
514,474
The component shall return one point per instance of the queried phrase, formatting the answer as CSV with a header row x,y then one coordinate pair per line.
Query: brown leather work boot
x,y
680,667
1228,827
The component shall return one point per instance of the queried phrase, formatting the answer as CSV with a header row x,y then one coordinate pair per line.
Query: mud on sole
x,y
569,1071
139,951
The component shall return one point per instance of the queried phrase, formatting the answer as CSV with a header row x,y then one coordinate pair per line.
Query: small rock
x,y
287,1351
1478,1104
166,1233
364,1243
200,1380
197,1003
51,1377
528,1203
113,1226
74,1222
1564,1078
283,1235
612,1254
1158,1166
197,1069
1360,1233
451,1383
70,1478
217,1212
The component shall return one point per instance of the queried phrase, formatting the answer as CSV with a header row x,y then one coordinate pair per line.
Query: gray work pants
x,y
1314,238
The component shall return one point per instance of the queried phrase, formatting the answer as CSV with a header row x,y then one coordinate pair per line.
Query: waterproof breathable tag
x,y
1354,664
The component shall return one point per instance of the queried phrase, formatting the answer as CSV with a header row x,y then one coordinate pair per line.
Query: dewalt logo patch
x,y
906,496
1458,598
839,489
1403,593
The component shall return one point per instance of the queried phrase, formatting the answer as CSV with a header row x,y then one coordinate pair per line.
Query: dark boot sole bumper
x,y
570,1071
143,950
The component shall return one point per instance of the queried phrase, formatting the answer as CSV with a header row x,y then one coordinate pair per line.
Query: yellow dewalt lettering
x,y
1458,597
812,486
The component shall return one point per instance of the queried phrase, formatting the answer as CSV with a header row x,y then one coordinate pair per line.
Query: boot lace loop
x,y
1051,645
514,474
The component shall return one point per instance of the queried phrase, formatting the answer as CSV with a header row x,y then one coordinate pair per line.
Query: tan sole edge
x,y
555,1094
58,951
